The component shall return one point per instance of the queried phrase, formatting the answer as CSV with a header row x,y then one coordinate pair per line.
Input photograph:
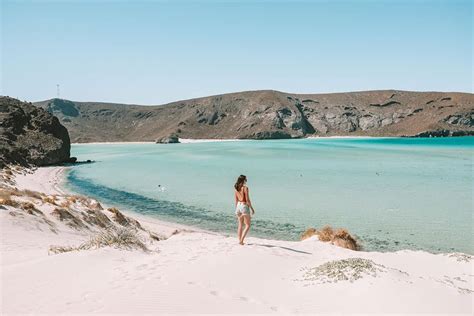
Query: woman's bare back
x,y
242,195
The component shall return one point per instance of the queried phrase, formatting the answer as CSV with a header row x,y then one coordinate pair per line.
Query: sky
x,y
154,52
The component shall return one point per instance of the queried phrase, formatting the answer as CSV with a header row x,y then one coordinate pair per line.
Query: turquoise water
x,y
393,193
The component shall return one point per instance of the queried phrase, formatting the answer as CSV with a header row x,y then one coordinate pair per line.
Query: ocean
x,y
392,193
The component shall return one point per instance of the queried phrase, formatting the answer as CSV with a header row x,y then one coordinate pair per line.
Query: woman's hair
x,y
240,182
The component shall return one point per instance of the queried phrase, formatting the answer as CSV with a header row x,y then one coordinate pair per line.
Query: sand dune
x,y
197,272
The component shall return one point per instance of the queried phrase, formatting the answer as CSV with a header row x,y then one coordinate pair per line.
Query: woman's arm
x,y
248,200
236,199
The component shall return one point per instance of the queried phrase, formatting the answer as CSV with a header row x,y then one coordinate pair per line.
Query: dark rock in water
x,y
29,135
171,139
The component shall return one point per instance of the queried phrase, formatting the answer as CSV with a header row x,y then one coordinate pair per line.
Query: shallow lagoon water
x,y
393,193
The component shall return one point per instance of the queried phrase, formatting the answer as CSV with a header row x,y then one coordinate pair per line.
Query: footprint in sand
x,y
142,266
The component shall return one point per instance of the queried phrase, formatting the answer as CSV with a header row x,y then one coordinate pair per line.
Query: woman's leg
x,y
240,223
247,227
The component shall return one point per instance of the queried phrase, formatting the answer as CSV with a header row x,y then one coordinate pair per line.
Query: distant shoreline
x,y
211,140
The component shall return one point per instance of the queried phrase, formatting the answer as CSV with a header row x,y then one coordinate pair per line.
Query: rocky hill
x,y
270,115
30,135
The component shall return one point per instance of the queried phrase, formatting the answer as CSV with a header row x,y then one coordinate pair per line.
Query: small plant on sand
x,y
72,199
310,232
6,198
49,199
123,220
121,238
326,233
342,238
30,208
9,202
460,257
33,194
66,204
350,270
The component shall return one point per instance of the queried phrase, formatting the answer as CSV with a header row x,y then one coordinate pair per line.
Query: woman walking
x,y
242,207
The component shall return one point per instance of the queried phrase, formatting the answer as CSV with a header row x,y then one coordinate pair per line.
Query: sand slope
x,y
195,271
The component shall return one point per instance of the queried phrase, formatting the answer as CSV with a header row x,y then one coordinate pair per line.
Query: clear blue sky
x,y
153,52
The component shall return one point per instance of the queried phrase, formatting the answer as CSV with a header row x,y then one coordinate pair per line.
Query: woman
x,y
242,207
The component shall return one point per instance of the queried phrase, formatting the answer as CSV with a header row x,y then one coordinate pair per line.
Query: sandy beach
x,y
191,271
213,140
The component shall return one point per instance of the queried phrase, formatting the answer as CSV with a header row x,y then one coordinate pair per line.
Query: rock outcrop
x,y
29,135
171,139
271,115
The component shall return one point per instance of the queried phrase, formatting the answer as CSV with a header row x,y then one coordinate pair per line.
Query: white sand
x,y
112,143
213,140
210,140
197,272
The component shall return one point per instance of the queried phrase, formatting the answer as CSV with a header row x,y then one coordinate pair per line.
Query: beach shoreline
x,y
211,140
193,271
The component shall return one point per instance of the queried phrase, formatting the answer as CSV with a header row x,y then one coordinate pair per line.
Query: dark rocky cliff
x,y
30,135
270,115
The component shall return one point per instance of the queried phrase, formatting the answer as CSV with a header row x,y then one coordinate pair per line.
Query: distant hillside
x,y
271,114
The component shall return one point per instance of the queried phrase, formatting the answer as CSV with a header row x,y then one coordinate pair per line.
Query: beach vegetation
x,y
8,202
350,269
49,199
120,238
339,237
32,194
66,216
30,208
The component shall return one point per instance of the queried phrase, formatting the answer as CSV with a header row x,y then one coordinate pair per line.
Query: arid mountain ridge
x,y
271,114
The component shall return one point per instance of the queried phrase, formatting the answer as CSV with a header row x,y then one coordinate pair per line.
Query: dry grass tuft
x,y
326,233
5,194
15,192
97,218
9,202
65,216
72,199
310,232
30,208
65,204
123,220
33,194
49,199
6,198
340,237
121,238
118,216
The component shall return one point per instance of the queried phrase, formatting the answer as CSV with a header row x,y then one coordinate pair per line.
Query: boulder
x,y
170,139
